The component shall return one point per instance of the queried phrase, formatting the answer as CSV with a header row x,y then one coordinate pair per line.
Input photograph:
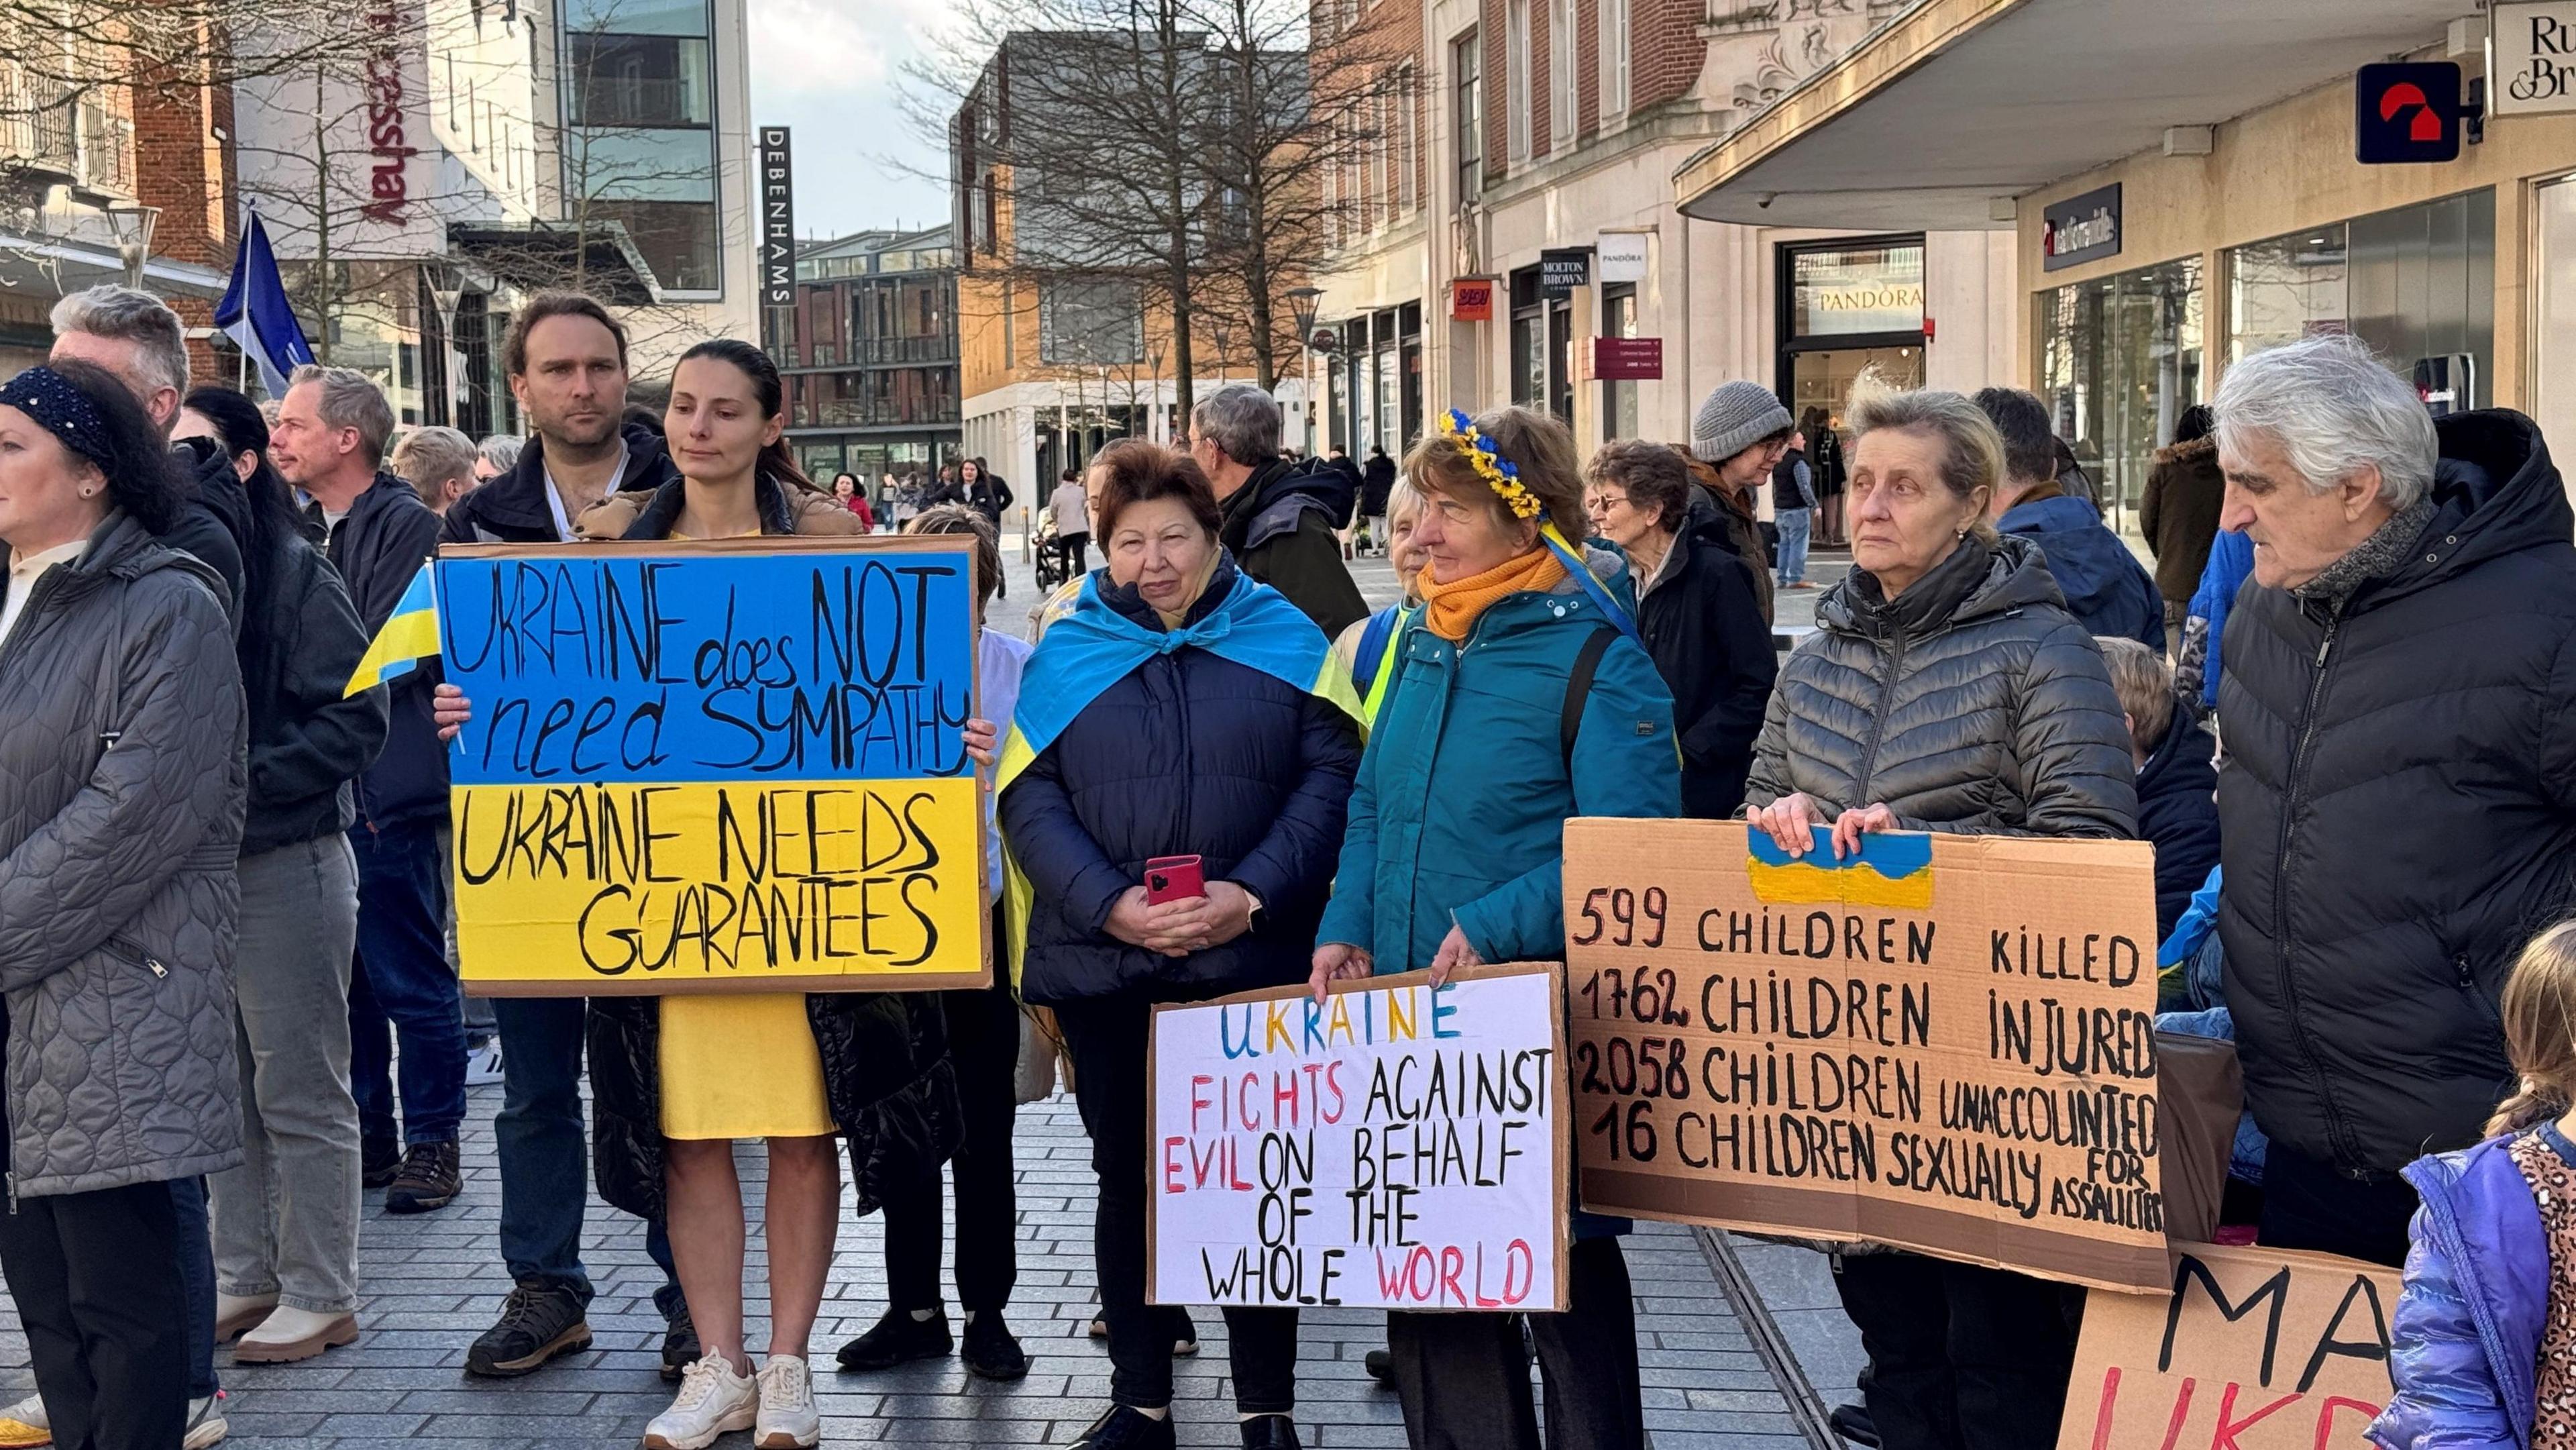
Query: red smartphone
x,y
1173,878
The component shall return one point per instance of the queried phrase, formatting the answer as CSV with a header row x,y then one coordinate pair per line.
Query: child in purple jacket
x,y
2474,1320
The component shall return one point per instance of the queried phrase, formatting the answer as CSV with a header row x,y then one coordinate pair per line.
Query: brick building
x,y
1529,128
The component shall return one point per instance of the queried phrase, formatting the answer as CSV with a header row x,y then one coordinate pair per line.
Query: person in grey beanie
x,y
1740,432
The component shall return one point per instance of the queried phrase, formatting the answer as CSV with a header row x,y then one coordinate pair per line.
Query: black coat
x,y
378,549
2178,813
886,1074
2399,803
1188,754
1279,528
990,495
1703,627
512,509
1377,481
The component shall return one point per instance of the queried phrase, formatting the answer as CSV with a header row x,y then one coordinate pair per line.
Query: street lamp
x,y
1301,309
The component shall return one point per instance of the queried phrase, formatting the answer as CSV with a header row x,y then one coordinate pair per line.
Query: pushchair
x,y
1054,560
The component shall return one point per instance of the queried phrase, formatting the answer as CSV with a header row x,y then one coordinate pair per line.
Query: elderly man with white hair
x,y
2398,806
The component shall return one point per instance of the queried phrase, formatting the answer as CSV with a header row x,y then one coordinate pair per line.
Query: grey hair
x,y
2333,407
1403,495
140,318
501,450
1972,452
428,458
351,399
1242,421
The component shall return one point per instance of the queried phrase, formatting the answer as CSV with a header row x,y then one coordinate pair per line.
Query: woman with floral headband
x,y
1521,697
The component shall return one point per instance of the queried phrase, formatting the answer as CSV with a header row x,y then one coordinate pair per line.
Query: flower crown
x,y
1489,462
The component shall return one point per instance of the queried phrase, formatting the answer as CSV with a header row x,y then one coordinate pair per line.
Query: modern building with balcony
x,y
872,361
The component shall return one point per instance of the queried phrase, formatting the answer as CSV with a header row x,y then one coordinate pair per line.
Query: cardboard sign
x,y
2253,1348
1945,1042
1397,1147
711,767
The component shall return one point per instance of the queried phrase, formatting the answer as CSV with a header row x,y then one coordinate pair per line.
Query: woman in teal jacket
x,y
1522,697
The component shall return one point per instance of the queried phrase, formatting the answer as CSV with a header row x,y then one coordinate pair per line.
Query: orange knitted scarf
x,y
1450,610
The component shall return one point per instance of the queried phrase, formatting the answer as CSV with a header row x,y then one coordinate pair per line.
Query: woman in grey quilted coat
x,y
1946,689
121,785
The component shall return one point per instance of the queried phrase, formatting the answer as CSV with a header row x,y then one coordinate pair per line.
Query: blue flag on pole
x,y
255,313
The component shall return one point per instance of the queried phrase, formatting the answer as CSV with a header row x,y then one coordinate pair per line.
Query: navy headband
x,y
61,408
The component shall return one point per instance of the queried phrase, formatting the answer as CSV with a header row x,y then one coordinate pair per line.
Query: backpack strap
x,y
1578,689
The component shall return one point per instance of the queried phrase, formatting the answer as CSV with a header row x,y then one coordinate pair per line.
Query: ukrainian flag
x,y
409,636
1891,870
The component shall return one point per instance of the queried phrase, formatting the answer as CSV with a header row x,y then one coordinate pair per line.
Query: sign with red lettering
x,y
2254,1349
1471,299
1393,1147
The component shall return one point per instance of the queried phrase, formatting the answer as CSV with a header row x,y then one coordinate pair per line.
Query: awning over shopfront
x,y
1956,103
535,258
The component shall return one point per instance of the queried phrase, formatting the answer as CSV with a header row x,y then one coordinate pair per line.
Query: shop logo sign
x,y
777,219
2406,112
2535,57
2080,229
1564,269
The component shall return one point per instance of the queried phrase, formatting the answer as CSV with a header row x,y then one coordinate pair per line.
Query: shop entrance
x,y
1823,377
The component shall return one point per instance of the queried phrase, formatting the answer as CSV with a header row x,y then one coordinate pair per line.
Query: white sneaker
x,y
712,1400
483,1065
206,1425
23,1425
788,1420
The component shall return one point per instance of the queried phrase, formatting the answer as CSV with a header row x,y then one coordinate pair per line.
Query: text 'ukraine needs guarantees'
x,y
1945,1042
714,767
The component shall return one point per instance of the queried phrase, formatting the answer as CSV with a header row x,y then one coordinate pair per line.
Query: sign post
x,y
715,767
777,220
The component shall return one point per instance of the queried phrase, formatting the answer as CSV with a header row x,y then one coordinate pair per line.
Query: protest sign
x,y
2253,1349
1944,1042
1395,1147
705,767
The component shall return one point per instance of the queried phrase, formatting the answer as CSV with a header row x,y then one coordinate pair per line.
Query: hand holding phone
x,y
1173,878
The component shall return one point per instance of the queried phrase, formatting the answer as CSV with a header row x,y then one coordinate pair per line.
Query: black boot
x,y
898,1338
1270,1432
990,1350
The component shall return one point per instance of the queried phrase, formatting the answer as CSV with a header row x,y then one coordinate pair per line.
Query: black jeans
x,y
1077,551
984,1050
1961,1357
1464,1378
1108,1039
2309,1204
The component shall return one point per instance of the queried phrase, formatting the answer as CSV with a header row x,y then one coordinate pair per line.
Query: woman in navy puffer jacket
x,y
1170,713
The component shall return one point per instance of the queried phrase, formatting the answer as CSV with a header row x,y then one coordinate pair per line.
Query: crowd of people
x,y
232,1006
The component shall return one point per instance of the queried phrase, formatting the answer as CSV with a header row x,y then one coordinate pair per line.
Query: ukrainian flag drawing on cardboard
x,y
1891,870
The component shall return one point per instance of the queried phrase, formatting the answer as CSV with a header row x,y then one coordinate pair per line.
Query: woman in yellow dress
x,y
679,1079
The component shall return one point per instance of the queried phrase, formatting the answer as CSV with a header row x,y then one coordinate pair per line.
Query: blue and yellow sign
x,y
715,767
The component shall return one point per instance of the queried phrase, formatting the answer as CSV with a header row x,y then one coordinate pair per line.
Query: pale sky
x,y
832,69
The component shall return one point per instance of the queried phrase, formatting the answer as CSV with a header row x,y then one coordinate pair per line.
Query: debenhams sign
x,y
2080,229
2535,58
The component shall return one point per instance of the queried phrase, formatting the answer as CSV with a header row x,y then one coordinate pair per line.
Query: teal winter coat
x,y
1460,808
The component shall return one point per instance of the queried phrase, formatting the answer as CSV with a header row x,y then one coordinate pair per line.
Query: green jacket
x,y
1460,807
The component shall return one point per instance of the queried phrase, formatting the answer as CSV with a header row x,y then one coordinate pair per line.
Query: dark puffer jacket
x,y
2399,805
1279,527
379,549
1971,703
121,783
886,1074
1188,754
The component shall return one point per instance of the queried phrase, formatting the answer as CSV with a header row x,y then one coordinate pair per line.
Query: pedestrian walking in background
x,y
2105,587
440,464
948,487
566,360
1170,713
2480,1342
1377,482
1946,688
986,493
286,1220
1793,505
845,488
1440,868
330,442
2399,805
1825,456
122,780
2179,514
1696,613
2177,775
1278,523
983,1052
1737,436
1072,509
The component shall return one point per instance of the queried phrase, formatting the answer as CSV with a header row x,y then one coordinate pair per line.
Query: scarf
x,y
1451,610
2383,553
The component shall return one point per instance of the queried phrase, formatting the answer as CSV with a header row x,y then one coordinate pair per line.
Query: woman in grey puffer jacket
x,y
1947,689
121,785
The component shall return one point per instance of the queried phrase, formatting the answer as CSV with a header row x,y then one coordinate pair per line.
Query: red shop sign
x,y
1627,359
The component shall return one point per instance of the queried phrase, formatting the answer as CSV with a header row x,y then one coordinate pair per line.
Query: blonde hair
x,y
1972,452
2539,1014
1535,443
2145,687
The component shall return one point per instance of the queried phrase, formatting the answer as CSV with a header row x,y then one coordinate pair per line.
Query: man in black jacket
x,y
567,365
1278,523
332,430
2398,805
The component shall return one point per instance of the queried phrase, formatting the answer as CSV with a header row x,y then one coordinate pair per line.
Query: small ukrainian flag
x,y
409,636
